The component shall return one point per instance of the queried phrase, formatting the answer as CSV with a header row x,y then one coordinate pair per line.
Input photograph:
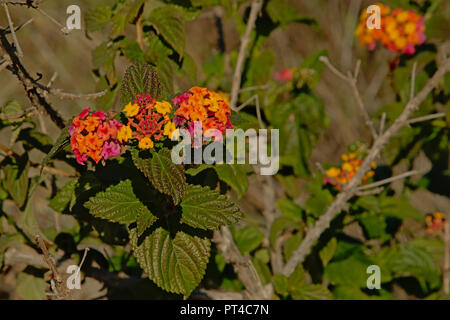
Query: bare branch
x,y
237,77
427,117
389,180
350,189
243,266
351,80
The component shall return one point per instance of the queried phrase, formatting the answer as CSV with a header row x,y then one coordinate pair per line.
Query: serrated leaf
x,y
62,142
141,78
165,175
117,203
145,219
169,23
416,261
174,264
62,199
207,209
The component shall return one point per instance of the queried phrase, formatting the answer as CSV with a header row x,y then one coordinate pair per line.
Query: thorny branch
x,y
351,188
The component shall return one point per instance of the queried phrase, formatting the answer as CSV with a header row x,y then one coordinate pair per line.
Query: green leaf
x,y
62,142
30,287
400,208
117,204
165,175
98,18
16,180
280,284
290,209
319,200
207,209
296,279
350,271
174,264
416,261
62,199
234,175
310,70
169,23
247,238
282,12
278,225
327,253
312,292
145,220
141,78
374,225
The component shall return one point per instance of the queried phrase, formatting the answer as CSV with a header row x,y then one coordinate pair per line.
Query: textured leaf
x,y
169,23
62,142
207,209
145,219
141,78
165,176
117,204
62,199
174,264
416,261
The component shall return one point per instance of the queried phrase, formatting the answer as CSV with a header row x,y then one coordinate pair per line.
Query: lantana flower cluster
x,y
338,176
205,106
146,121
94,135
400,30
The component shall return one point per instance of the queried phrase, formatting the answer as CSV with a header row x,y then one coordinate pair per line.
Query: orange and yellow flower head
x,y
400,30
94,135
203,105
351,162
147,119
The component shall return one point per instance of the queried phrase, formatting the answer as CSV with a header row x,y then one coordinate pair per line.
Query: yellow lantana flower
x,y
131,110
163,107
333,172
124,134
169,128
146,143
